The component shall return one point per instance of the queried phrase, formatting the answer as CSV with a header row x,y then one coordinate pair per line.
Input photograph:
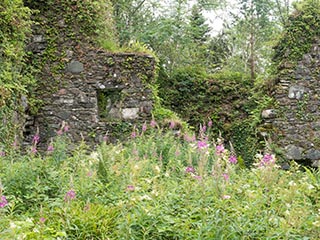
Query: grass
x,y
158,185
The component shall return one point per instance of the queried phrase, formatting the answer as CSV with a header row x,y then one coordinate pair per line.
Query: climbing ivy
x,y
299,33
16,78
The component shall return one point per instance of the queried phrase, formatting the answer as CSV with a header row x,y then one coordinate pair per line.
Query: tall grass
x,y
158,185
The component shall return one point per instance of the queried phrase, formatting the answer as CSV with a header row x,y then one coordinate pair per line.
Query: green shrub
x,y
158,185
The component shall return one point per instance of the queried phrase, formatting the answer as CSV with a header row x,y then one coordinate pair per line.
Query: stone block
x,y
313,154
130,113
75,67
296,92
293,152
268,114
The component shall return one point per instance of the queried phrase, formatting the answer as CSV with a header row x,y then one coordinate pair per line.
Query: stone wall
x,y
296,119
89,89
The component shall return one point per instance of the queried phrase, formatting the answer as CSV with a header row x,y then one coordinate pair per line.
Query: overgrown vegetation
x,y
156,186
301,31
16,76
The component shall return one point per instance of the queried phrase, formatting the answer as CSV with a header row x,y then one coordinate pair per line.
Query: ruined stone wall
x,y
89,89
296,119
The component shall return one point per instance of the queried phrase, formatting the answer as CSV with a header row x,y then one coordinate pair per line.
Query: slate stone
x,y
75,67
268,114
38,39
296,92
130,113
293,152
313,154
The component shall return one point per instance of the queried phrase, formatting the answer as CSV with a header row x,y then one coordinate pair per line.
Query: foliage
x,y
16,80
91,18
251,36
227,99
156,186
299,33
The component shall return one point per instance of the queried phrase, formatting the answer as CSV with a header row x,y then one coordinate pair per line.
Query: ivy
x,y
299,34
16,77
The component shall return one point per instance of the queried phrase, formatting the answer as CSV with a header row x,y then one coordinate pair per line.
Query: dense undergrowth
x,y
157,185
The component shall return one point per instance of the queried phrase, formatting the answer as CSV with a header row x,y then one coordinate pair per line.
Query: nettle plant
x,y
160,184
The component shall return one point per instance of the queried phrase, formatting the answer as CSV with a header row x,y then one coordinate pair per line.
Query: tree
x,y
199,29
251,34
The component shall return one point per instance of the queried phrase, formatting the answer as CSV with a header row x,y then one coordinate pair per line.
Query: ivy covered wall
x,y
296,119
16,76
81,85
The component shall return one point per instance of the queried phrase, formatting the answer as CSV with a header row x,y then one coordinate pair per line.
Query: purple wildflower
x,y
34,150
267,160
60,132
133,134
3,202
190,169
233,159
226,197
220,149
2,153
202,144
204,128
197,177
105,138
42,220
66,128
187,138
36,139
153,123
210,124
172,125
144,127
225,176
130,188
70,195
50,148
15,144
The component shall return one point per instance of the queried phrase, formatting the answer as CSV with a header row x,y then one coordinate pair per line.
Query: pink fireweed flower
x,y
50,148
190,169
187,138
153,123
15,144
225,176
70,195
66,128
202,144
233,159
144,127
34,150
133,134
172,124
105,138
36,139
130,188
220,149
197,177
267,160
210,124
226,197
3,201
204,128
